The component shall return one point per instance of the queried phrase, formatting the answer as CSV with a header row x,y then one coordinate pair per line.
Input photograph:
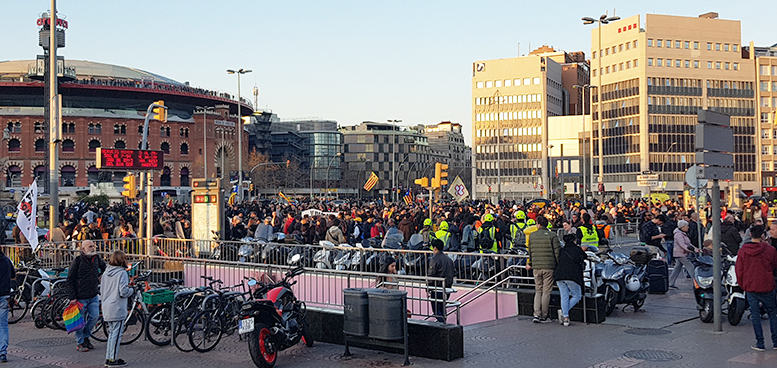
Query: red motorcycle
x,y
276,322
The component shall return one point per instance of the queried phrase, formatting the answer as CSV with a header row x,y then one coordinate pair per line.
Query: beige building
x,y
765,64
656,75
511,102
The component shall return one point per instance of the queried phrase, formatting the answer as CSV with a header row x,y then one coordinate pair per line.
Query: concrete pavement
x,y
667,333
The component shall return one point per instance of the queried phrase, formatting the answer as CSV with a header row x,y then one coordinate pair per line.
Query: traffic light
x,y
423,182
130,186
160,112
440,174
288,163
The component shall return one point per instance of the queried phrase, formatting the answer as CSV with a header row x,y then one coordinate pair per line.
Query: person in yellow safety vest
x,y
516,235
491,233
520,219
443,234
426,231
587,234
530,228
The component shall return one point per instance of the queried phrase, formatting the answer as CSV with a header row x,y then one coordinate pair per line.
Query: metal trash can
x,y
387,313
355,312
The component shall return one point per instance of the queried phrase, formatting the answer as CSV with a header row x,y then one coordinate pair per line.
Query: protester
x,y
114,289
569,278
83,285
544,248
440,266
755,268
681,249
7,273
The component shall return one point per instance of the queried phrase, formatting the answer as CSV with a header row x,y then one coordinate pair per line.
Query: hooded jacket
x,y
755,267
114,289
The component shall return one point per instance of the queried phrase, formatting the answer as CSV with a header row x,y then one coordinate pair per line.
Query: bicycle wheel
x,y
132,327
57,309
181,330
158,325
98,331
38,313
18,302
205,331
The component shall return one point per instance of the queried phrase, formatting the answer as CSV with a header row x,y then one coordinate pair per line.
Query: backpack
x,y
484,239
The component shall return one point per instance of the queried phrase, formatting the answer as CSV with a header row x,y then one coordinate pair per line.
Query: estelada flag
x,y
408,198
285,198
371,182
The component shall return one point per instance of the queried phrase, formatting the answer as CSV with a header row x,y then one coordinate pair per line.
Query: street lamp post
x,y
327,169
585,134
393,153
239,133
205,136
550,175
603,19
497,99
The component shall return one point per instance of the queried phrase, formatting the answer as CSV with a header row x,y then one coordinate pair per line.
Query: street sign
x,y
647,180
129,160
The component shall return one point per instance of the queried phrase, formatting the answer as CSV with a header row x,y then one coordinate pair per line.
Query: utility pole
x,y
55,125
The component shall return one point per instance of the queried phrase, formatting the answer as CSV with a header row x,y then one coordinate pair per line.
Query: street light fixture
x,y
239,132
327,169
205,110
603,19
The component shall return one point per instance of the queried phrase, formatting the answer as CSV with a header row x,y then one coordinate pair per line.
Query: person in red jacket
x,y
756,266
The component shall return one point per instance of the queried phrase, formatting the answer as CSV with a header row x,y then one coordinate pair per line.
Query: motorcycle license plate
x,y
245,325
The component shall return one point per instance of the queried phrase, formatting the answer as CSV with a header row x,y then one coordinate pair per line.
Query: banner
x,y
371,182
458,190
27,214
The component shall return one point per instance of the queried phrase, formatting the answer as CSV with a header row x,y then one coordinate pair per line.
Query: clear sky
x,y
348,61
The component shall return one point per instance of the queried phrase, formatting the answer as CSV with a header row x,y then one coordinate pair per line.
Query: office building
x,y
765,65
323,141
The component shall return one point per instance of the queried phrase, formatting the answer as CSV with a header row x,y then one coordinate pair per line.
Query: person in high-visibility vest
x,y
517,237
530,228
443,234
520,219
587,234
489,227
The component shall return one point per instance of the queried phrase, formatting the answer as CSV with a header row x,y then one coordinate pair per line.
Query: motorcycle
x,y
275,323
702,288
342,258
592,276
737,303
323,257
623,282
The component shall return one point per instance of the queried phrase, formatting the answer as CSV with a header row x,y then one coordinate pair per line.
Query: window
x,y
536,81
695,45
736,66
517,82
165,178
40,172
650,61
40,145
68,145
498,84
687,63
709,46
164,131
734,47
489,84
726,66
717,65
508,82
628,64
774,70
166,147
140,130
765,150
120,144
687,44
93,144
636,62
479,85
659,43
93,175
678,63
620,66
68,176
660,62
184,177
677,44
669,44
607,70
717,47
635,44
620,48
594,72
38,127
91,129
184,149
763,70
13,176
14,145
696,64
709,65
526,81
594,55
628,45
725,47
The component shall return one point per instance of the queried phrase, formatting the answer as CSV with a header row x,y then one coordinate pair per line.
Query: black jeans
x,y
438,306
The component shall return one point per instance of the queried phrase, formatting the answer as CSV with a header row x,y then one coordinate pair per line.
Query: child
x,y
114,289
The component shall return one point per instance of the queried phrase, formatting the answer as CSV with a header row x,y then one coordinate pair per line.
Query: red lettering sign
x,y
124,159
47,21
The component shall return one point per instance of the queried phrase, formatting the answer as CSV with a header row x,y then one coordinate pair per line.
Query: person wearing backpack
x,y
544,248
517,237
569,278
488,236
468,235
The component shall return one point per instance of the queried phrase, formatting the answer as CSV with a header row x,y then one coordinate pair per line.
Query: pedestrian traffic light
x,y
423,182
160,111
440,174
130,186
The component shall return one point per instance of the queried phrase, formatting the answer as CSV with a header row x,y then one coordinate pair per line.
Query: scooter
x,y
323,257
737,303
275,323
703,278
623,282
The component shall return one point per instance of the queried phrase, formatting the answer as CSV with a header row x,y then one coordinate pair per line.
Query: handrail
x,y
489,280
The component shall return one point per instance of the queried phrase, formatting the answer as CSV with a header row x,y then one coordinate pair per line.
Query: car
x,y
7,225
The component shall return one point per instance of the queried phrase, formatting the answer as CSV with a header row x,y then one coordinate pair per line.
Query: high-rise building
x,y
446,145
655,76
511,102
765,61
323,143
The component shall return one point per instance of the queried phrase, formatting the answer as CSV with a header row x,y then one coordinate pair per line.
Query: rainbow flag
x,y
371,182
72,317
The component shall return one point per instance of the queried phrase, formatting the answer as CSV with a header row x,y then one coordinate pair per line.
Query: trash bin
x,y
387,313
355,316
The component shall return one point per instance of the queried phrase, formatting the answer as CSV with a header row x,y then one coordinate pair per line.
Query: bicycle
x,y
167,320
218,316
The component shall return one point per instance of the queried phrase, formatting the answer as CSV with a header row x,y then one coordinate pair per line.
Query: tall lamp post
x,y
585,134
550,174
327,168
603,19
393,164
239,133
205,111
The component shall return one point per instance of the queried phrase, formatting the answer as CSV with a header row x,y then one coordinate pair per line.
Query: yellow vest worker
x,y
443,234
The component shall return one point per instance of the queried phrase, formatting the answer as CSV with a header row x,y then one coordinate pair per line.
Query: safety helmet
x,y
444,225
632,283
488,217
520,215
428,222
531,222
550,226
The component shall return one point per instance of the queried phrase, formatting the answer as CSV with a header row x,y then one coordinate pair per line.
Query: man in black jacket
x,y
440,266
729,234
83,280
7,273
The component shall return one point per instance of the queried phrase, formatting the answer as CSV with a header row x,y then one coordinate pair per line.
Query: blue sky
x,y
348,61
